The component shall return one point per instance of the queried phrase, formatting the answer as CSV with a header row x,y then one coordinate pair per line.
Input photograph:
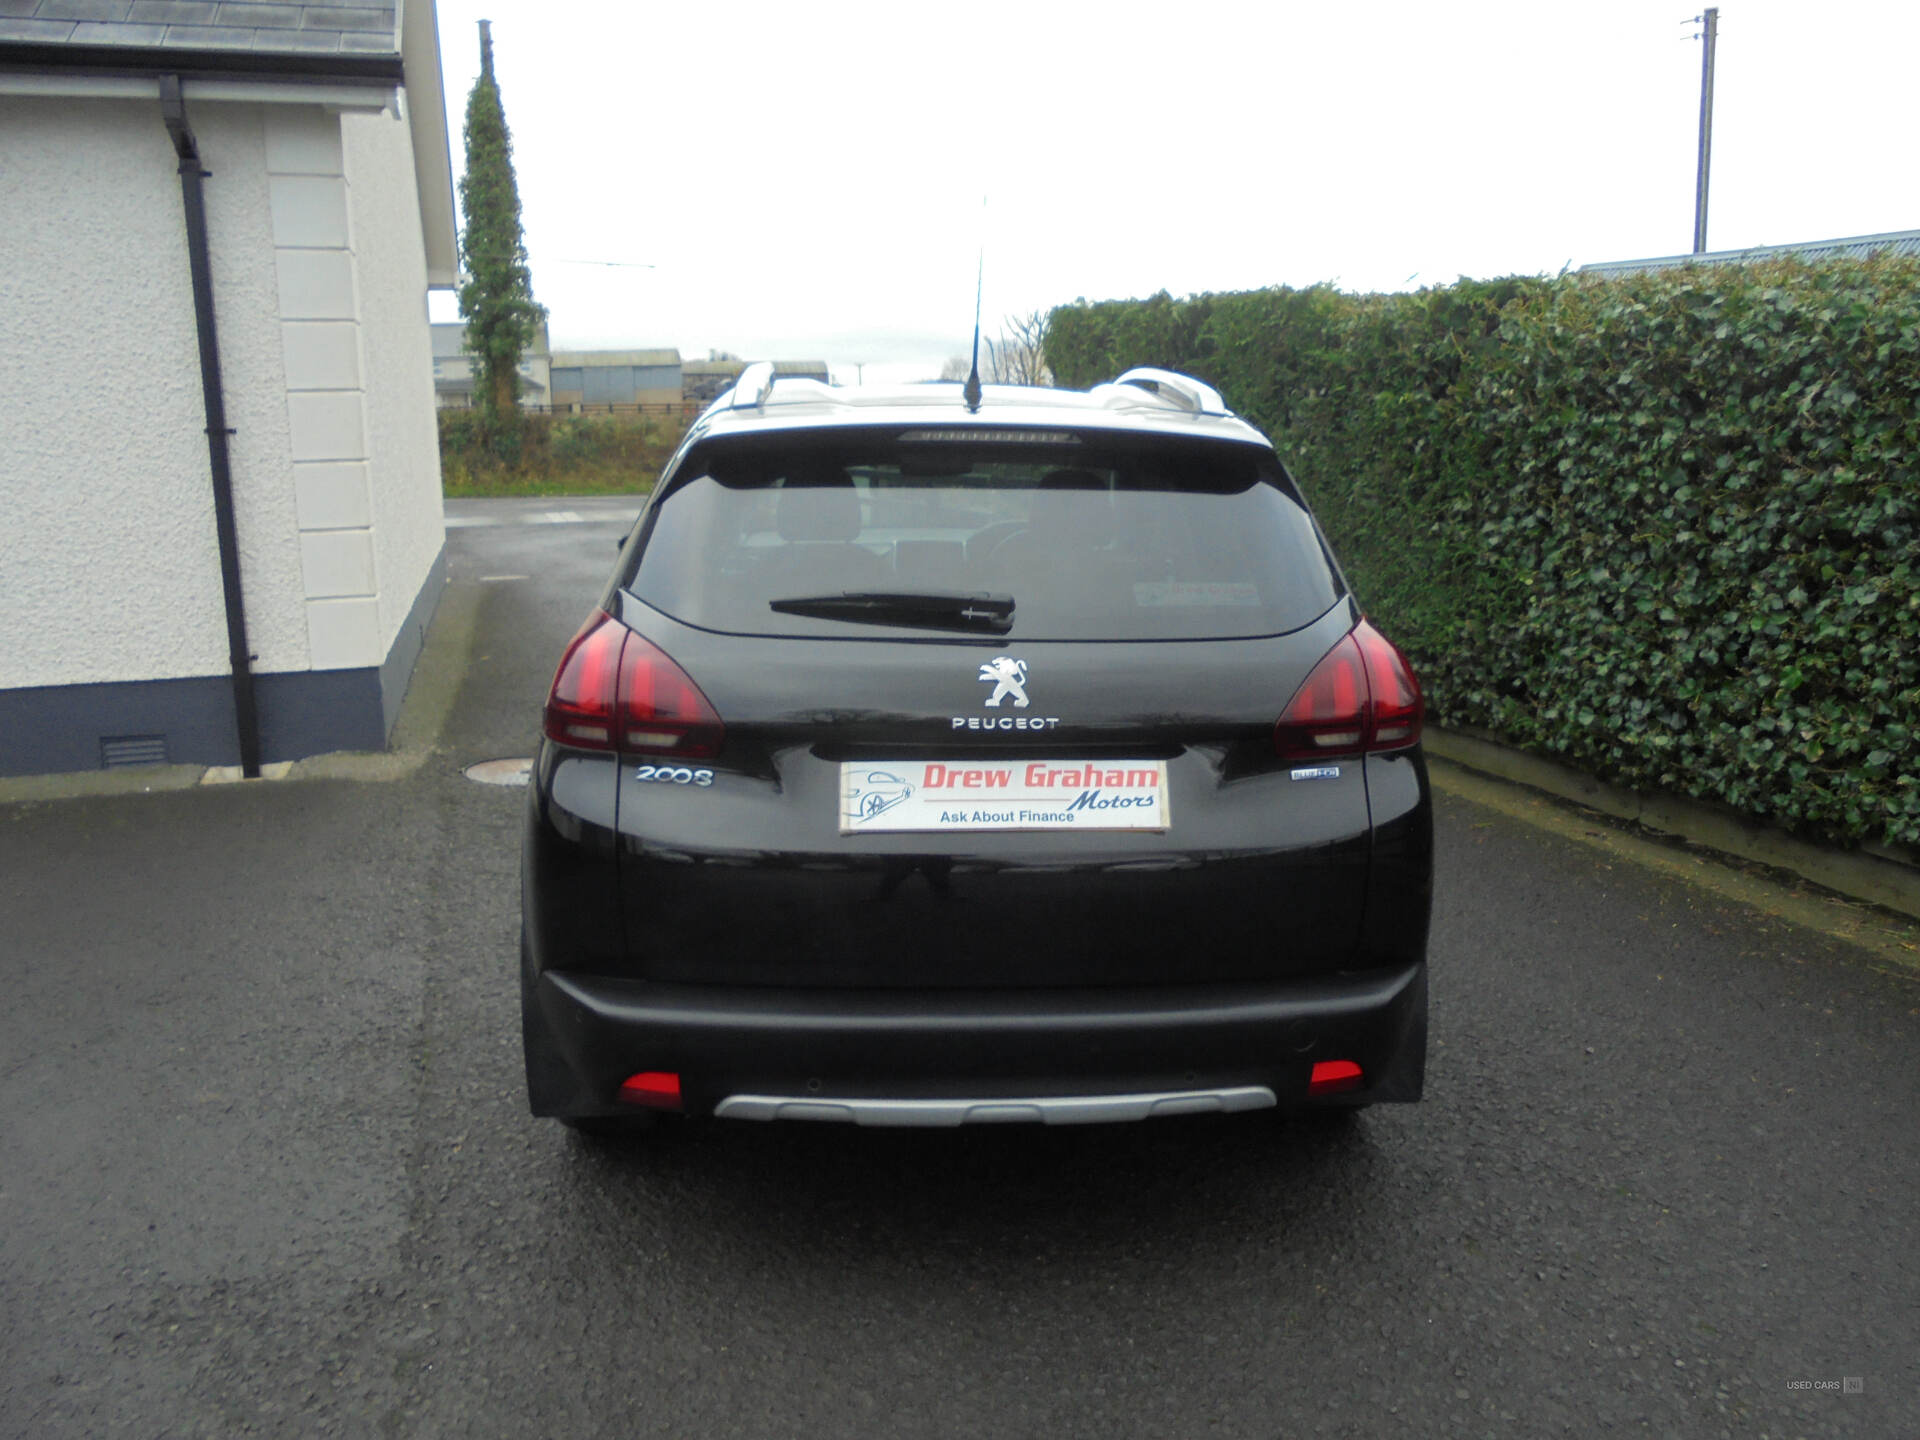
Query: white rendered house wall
x,y
408,528
111,569
111,608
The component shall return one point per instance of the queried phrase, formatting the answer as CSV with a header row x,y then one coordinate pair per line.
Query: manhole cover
x,y
501,772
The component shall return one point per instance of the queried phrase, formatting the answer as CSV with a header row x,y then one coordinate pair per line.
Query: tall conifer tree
x,y
496,299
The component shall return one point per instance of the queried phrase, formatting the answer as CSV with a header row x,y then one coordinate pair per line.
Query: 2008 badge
x,y
673,775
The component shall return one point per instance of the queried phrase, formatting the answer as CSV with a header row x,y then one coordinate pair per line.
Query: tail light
x,y
1330,1077
580,703
655,1089
1361,697
616,690
1398,707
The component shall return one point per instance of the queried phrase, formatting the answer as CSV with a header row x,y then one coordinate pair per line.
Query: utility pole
x,y
1708,35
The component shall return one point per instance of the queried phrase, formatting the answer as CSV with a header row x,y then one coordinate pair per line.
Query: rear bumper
x,y
980,1045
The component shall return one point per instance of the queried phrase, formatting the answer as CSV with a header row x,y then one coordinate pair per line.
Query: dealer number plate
x,y
974,795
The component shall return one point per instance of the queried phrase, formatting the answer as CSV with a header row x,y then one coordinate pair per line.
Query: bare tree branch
x,y
1019,356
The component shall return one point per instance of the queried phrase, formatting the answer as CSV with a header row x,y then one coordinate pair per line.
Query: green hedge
x,y
616,454
1662,527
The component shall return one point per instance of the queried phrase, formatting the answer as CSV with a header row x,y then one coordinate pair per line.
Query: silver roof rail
x,y
798,389
1190,394
753,387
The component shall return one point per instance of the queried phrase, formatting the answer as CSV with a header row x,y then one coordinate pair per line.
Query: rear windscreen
x,y
1136,539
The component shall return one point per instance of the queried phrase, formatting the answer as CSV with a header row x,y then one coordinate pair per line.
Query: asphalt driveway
x,y
265,1165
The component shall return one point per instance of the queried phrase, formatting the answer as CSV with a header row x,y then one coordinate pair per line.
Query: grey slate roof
x,y
730,369
583,359
261,27
1856,247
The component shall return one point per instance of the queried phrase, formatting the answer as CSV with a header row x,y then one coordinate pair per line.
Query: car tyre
x,y
1334,1119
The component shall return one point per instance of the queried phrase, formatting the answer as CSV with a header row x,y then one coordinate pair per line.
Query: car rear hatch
x,y
988,721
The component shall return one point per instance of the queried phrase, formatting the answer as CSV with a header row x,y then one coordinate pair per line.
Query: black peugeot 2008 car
x,y
929,763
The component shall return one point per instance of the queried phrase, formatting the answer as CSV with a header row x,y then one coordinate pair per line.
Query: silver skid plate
x,y
1040,1110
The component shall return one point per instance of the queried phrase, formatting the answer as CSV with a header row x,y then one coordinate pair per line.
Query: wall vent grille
x,y
119,750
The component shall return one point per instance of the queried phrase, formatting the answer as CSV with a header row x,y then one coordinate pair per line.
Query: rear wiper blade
x,y
931,610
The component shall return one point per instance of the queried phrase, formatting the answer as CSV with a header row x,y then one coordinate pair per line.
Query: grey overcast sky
x,y
806,180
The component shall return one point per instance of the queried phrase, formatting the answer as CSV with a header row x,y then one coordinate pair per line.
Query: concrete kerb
x,y
1503,779
437,677
1874,878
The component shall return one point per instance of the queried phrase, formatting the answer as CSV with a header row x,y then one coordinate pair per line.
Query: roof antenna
x,y
971,392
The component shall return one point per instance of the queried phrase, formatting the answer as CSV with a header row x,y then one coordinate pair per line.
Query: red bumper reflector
x,y
658,1089
1329,1077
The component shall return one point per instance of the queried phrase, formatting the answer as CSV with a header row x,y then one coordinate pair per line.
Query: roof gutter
x,y
246,713
119,72
337,81
258,91
155,60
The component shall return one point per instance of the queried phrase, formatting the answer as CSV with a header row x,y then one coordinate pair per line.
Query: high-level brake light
x,y
615,690
1361,697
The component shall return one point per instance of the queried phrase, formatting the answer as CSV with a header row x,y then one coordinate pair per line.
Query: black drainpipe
x,y
246,714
